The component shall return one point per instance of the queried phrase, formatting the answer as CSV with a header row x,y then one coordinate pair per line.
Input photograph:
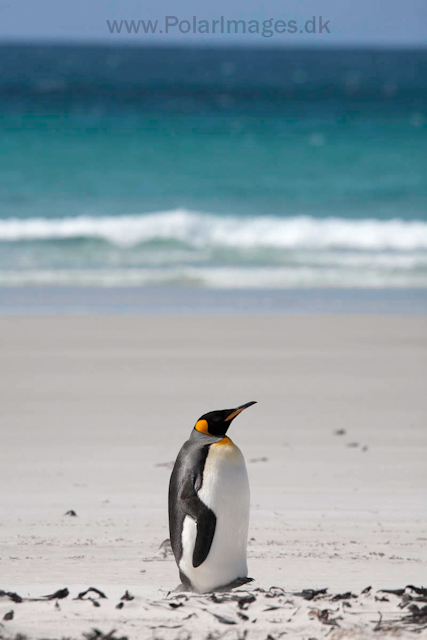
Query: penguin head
x,y
216,423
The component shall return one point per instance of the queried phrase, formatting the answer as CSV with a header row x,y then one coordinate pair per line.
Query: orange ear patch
x,y
202,426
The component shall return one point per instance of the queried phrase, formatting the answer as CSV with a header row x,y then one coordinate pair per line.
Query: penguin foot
x,y
239,582
186,585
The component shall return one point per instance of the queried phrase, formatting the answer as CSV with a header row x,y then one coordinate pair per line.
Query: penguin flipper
x,y
206,525
205,520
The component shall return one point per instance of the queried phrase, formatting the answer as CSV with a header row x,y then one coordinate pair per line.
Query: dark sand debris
x,y
83,594
58,595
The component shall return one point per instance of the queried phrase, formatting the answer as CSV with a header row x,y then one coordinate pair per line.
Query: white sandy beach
x,y
94,410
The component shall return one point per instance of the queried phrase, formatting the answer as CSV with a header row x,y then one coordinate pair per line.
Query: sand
x,y
94,410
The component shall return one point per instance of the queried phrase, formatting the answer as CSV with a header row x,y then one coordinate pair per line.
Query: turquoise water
x,y
213,168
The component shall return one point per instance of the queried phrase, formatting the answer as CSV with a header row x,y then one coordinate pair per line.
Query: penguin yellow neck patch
x,y
202,426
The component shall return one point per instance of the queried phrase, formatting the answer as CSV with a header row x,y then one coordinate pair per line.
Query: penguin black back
x,y
186,480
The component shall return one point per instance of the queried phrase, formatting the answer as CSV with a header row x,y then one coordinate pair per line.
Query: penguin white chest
x,y
225,490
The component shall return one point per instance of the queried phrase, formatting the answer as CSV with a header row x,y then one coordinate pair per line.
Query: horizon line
x,y
122,43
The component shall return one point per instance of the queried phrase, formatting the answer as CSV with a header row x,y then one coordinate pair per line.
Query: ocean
x,y
201,168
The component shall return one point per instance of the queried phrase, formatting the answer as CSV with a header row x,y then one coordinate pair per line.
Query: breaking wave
x,y
204,230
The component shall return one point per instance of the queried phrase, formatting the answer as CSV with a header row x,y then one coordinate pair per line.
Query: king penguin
x,y
209,506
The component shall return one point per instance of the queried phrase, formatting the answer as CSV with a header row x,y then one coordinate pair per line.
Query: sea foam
x,y
201,230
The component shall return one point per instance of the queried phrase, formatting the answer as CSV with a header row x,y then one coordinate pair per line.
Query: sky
x,y
342,22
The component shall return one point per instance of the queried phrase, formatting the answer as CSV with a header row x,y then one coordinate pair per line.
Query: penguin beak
x,y
236,412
